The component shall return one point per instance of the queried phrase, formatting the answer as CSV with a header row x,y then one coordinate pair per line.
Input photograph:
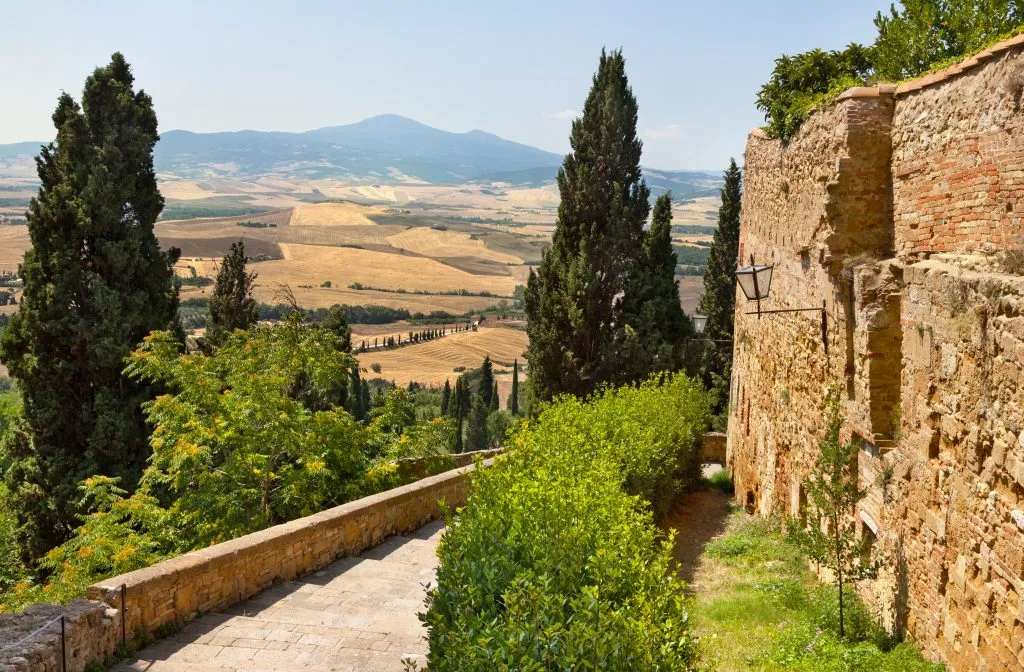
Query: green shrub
x,y
552,565
722,480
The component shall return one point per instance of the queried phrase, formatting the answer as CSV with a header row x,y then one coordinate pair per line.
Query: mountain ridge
x,y
386,148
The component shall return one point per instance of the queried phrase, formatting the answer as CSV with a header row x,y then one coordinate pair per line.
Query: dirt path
x,y
697,518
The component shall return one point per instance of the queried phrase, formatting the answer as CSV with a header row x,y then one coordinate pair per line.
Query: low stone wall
x,y
214,578
712,447
418,467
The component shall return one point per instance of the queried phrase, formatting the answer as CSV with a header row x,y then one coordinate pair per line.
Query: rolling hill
x,y
386,149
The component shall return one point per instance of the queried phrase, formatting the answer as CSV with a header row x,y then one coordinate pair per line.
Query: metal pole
x,y
63,648
757,292
824,327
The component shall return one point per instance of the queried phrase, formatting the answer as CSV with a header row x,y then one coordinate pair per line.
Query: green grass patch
x,y
759,607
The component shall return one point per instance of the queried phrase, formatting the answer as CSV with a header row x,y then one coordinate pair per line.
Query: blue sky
x,y
517,69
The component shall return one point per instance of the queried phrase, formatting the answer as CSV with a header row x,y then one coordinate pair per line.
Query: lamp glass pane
x,y
764,280
745,276
699,322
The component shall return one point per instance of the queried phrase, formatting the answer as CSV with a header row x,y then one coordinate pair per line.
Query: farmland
x,y
433,362
426,248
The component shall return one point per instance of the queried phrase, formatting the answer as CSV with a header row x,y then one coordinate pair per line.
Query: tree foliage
x,y
655,327
554,563
917,37
231,306
923,33
571,298
830,536
801,81
513,399
96,283
718,302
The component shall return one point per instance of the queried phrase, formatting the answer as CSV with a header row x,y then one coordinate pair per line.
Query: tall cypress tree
x,y
446,396
719,299
571,300
96,283
485,388
656,327
513,399
493,405
231,306
355,394
476,426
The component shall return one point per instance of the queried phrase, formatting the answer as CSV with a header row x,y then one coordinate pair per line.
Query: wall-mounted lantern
x,y
699,322
756,282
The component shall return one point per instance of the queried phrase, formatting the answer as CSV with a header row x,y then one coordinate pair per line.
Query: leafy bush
x,y
551,564
802,81
721,480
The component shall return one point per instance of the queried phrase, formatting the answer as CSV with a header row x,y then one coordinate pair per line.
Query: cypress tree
x,y
571,300
336,323
476,428
446,396
655,326
231,306
513,399
458,411
719,299
355,394
96,283
493,406
365,402
486,386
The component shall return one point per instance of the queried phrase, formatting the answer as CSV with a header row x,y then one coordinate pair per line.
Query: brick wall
x,y
221,575
891,206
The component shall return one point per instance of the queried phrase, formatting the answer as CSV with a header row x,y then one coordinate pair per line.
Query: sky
x,y
518,69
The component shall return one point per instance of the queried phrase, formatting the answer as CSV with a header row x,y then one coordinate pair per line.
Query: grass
x,y
758,607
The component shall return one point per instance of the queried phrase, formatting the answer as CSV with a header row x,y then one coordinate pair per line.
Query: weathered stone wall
x,y
958,156
892,207
221,575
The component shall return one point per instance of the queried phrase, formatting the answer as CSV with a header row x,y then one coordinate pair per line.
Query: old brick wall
x,y
958,156
926,344
213,578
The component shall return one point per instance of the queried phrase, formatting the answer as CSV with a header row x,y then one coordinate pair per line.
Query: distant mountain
x,y
382,149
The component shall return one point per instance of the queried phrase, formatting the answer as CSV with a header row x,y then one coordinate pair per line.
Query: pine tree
x,y
656,328
231,306
96,283
486,385
513,399
570,300
830,535
719,299
446,396
493,405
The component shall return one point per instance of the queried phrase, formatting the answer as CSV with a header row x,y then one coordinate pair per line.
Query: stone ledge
x,y
219,576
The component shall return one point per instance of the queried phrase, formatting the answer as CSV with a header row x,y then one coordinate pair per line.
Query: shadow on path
x,y
697,518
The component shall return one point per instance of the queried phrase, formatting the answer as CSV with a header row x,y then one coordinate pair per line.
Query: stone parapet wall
x,y
213,578
890,206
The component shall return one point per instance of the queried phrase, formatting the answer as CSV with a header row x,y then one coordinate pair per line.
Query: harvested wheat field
x,y
333,214
14,241
434,243
433,362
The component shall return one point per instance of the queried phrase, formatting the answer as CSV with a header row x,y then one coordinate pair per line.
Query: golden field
x,y
433,362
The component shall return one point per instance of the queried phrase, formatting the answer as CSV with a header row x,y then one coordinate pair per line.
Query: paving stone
x,y
356,614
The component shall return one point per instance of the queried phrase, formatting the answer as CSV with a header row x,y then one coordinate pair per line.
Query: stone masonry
x,y
894,207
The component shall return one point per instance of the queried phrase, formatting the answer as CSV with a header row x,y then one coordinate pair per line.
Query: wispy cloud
x,y
664,132
564,115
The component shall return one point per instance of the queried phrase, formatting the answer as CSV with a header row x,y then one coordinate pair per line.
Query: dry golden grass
x,y
433,243
313,264
433,362
14,241
333,214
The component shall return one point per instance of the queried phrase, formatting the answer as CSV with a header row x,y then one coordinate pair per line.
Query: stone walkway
x,y
356,614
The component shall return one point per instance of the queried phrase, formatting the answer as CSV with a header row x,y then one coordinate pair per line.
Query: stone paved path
x,y
356,614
